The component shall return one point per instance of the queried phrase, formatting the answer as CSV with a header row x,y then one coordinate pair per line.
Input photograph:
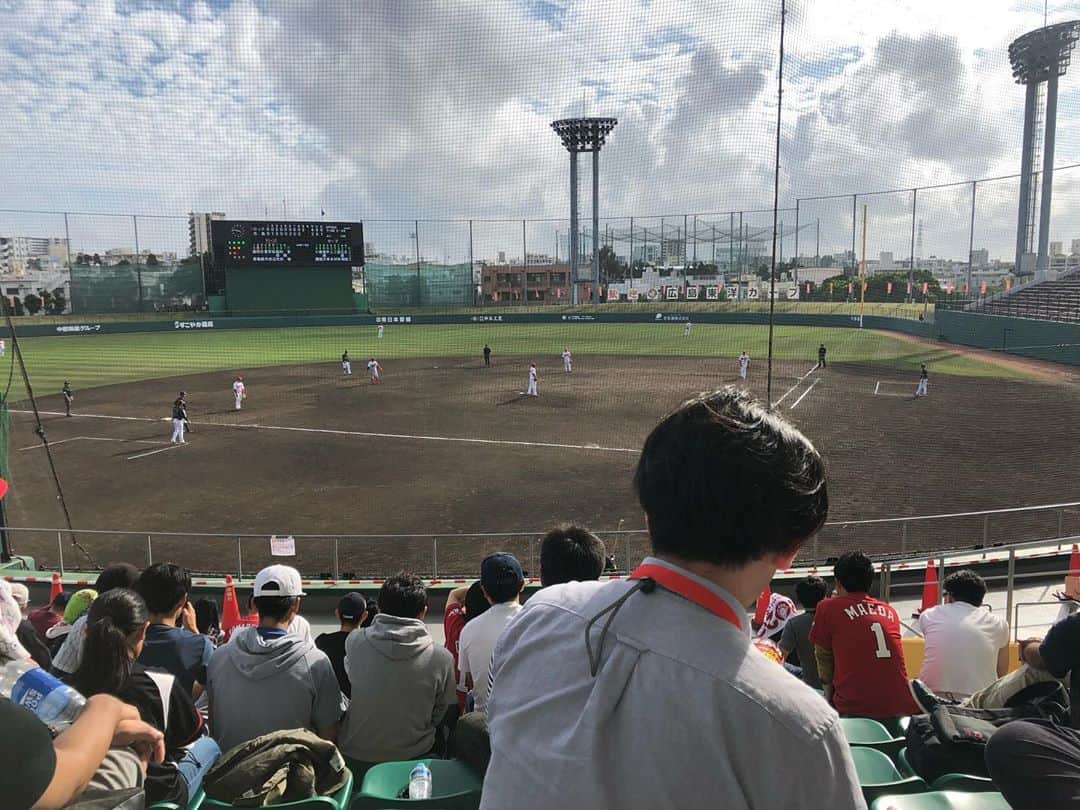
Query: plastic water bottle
x,y
54,702
420,782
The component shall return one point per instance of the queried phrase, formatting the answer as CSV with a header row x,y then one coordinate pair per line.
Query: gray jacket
x,y
403,684
257,685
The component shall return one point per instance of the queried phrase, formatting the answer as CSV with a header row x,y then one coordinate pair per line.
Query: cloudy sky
x,y
400,109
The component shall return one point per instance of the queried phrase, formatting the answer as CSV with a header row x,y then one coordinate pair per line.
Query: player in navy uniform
x,y
487,355
924,381
68,397
179,419
346,365
821,356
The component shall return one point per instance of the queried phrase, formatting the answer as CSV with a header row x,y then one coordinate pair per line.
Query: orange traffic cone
x,y
762,606
230,608
1074,561
57,588
930,586
1072,578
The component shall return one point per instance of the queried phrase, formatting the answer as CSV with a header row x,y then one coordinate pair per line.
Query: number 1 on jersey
x,y
879,633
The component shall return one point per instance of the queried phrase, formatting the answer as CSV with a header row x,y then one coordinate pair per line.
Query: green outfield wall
x,y
1045,340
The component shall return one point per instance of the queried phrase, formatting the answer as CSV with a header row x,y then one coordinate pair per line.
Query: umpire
x,y
821,356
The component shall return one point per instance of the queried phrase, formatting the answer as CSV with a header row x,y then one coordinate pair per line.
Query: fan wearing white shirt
x,y
967,646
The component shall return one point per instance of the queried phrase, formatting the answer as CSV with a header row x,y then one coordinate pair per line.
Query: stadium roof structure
x,y
1037,54
584,134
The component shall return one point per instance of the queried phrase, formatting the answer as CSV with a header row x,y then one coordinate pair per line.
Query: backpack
x,y
952,739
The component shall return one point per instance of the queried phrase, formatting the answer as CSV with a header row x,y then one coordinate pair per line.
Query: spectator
x,y
656,676
372,612
967,646
795,640
462,606
267,678
408,679
856,641
1035,764
107,748
570,554
48,615
208,619
502,581
116,629
10,619
66,658
351,611
779,611
173,642
25,632
57,635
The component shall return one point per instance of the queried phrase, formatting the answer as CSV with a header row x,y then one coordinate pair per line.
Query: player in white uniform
x,y
380,331
374,369
534,378
3,347
686,331
924,381
239,392
346,364
567,361
744,364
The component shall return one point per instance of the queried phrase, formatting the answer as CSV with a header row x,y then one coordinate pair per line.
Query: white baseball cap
x,y
278,580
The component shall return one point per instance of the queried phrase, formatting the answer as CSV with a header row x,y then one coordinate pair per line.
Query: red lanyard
x,y
688,589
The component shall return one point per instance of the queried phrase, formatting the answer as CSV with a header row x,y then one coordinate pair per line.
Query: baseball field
x,y
450,449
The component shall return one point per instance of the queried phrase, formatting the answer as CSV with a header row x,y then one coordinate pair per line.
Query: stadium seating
x,y
1049,300
862,731
941,800
453,786
879,777
339,801
969,783
195,803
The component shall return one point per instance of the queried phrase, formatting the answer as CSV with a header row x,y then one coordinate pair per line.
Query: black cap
x,y
351,607
500,568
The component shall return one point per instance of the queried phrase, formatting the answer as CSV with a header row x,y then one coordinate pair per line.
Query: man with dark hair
x,y
795,640
266,678
856,639
48,615
173,642
462,606
570,554
351,611
69,656
967,646
502,581
657,673
408,679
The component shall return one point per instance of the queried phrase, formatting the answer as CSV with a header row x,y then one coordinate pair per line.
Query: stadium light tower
x,y
584,135
1039,57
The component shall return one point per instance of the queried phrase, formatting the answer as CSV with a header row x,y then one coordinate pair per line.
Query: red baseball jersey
x,y
869,676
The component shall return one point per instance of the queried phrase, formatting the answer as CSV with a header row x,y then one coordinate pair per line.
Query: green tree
x,y
17,305
59,302
152,260
32,304
611,267
46,300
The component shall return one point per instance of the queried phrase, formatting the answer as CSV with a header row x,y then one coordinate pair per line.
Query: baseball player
x,y
487,355
567,361
374,369
380,331
744,364
346,365
3,347
924,381
821,356
534,378
179,420
686,331
239,392
68,397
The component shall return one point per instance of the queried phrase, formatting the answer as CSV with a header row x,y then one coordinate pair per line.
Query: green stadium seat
x,y
339,801
941,800
453,784
879,777
872,734
194,804
897,726
965,782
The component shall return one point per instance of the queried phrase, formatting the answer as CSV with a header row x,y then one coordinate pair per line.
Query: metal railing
x,y
444,555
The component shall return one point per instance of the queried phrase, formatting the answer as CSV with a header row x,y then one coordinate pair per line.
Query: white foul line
x,y
876,387
796,385
804,393
89,439
367,434
152,452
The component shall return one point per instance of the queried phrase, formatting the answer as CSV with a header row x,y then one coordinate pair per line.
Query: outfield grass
x,y
94,360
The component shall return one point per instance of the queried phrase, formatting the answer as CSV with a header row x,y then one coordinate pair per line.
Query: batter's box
x,y
894,388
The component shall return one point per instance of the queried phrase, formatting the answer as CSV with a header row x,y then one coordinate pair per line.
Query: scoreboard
x,y
250,244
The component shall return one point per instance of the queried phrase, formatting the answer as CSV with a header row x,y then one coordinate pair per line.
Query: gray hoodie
x,y
257,685
403,684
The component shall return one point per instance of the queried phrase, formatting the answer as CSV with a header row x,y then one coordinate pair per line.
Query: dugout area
x,y
446,445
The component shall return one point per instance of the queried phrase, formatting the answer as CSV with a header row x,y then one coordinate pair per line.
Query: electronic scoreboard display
x,y
287,244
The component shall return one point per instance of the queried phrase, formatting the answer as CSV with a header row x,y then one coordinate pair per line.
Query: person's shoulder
x,y
771,694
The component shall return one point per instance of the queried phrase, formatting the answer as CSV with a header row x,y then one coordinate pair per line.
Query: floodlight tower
x,y
584,135
1038,57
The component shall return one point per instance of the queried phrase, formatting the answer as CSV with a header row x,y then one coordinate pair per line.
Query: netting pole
x,y
731,241
796,257
854,254
776,199
631,263
138,265
911,264
695,239
67,244
971,239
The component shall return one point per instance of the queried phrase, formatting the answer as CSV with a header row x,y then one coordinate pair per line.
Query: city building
x,y
1075,251
1055,249
534,283
199,241
886,264
980,257
20,254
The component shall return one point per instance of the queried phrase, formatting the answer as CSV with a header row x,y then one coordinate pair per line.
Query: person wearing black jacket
x,y
179,419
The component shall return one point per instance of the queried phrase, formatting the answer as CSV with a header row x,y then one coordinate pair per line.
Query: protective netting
x,y
172,287
422,284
